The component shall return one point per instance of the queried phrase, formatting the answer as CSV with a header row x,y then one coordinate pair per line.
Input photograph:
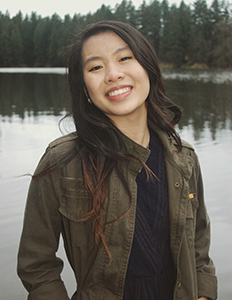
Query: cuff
x,y
207,286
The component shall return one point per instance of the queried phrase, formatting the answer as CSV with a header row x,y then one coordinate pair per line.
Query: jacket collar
x,y
136,150
181,161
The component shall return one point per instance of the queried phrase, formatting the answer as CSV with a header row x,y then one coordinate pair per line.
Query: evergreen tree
x,y
165,43
180,35
185,25
222,52
41,42
5,47
121,12
201,34
174,52
150,22
18,19
28,28
132,14
125,12
104,13
67,36
16,45
55,42
78,23
216,13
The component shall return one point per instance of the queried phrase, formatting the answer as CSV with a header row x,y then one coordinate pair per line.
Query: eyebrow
x,y
93,58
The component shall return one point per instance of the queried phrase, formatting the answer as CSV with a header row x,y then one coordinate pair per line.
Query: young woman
x,y
124,191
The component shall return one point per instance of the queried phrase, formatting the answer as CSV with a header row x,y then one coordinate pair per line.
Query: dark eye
x,y
95,68
126,58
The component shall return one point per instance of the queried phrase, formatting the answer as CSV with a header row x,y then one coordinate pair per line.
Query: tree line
x,y
182,36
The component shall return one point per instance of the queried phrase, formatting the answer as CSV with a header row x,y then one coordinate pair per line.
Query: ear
x,y
87,96
86,92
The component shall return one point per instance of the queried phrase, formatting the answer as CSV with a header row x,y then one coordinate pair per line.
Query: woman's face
x,y
116,83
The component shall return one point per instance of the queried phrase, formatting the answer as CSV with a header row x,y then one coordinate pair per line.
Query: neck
x,y
139,135
135,128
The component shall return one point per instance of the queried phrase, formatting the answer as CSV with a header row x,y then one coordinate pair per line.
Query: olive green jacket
x,y
57,202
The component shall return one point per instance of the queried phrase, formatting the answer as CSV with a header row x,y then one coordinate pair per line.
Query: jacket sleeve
x,y
38,266
206,279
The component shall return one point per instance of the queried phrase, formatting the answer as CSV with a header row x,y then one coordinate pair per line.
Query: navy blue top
x,y
150,273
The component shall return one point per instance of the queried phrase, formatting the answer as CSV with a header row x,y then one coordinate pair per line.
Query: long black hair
x,y
100,144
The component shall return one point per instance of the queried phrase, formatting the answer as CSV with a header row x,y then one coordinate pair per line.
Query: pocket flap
x,y
75,201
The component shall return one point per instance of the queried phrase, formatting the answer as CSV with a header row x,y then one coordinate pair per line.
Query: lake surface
x,y
33,101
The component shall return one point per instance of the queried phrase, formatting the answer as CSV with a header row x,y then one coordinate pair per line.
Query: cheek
x,y
145,82
142,76
90,87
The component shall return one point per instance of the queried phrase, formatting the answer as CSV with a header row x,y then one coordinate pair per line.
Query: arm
x,y
206,279
38,266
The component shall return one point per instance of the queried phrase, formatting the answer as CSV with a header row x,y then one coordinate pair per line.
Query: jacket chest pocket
x,y
75,201
74,204
191,213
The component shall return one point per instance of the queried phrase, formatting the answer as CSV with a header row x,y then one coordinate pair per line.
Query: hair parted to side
x,y
99,141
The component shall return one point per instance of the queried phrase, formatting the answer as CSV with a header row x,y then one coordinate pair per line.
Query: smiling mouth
x,y
120,91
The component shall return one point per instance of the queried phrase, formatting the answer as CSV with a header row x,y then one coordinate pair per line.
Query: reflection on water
x,y
30,108
32,93
202,101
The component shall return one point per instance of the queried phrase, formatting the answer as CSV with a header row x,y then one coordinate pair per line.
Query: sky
x,y
63,7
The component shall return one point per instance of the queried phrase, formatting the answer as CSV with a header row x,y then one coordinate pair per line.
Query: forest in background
x,y
183,36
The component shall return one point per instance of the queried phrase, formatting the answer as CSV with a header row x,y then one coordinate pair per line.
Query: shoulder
x,y
59,152
187,145
64,141
187,148
63,149
63,145
189,151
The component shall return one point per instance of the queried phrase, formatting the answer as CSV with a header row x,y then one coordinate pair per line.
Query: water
x,y
31,105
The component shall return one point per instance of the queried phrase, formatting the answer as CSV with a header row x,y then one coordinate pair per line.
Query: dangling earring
x,y
89,100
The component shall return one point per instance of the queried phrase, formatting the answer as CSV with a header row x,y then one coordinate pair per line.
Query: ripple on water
x,y
214,76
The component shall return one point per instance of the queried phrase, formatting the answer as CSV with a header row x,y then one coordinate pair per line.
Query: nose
x,y
113,74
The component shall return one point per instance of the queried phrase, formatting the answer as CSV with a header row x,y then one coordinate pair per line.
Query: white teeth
x,y
119,92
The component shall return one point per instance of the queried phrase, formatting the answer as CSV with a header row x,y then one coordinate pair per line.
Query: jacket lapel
x,y
179,168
